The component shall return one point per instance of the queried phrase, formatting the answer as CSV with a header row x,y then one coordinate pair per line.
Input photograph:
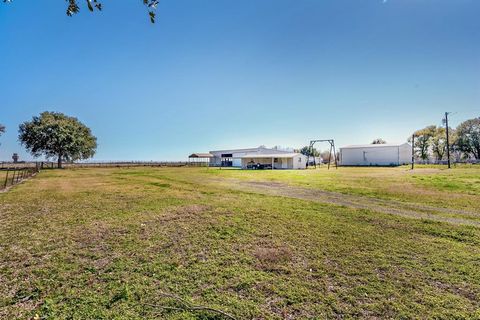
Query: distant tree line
x,y
379,141
431,141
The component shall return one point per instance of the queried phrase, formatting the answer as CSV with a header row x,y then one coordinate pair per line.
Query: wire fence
x,y
102,164
129,164
12,173
445,162
11,165
15,175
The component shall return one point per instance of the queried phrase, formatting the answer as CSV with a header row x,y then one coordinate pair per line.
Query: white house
x,y
269,158
376,155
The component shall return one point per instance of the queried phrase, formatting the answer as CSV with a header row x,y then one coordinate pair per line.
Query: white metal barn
x,y
271,158
376,155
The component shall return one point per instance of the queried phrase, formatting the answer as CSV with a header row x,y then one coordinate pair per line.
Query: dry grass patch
x,y
273,258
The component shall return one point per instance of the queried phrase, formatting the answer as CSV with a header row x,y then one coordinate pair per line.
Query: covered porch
x,y
268,161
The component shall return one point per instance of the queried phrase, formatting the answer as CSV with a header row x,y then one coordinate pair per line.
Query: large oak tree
x,y
439,141
56,135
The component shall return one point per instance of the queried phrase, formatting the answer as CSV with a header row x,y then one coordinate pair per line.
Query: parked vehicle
x,y
258,166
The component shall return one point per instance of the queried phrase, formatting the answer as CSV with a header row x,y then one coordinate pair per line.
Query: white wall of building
x,y
299,161
405,154
375,155
237,162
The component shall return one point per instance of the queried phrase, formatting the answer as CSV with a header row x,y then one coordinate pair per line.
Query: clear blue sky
x,y
217,74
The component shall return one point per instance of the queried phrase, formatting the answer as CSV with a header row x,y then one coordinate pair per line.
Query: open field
x,y
115,243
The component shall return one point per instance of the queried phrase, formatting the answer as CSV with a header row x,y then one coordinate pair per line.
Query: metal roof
x,y
271,155
385,145
200,155
257,149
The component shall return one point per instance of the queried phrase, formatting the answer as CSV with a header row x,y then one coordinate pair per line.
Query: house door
x,y
227,160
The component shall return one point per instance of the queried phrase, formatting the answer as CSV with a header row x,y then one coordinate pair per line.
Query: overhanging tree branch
x,y
73,7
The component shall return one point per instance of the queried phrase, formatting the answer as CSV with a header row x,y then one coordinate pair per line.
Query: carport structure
x,y
200,159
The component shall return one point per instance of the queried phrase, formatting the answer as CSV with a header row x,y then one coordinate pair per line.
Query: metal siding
x,y
237,163
370,156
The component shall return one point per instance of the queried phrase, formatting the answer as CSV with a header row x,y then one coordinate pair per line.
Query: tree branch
x,y
187,306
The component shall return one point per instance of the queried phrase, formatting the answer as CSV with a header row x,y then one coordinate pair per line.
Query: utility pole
x,y
448,142
413,151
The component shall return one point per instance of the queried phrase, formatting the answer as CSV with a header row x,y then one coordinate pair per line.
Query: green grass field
x,y
118,243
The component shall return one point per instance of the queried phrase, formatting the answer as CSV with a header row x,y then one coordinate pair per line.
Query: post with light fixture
x,y
413,151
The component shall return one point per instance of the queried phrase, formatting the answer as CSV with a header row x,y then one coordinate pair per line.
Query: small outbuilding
x,y
200,158
376,155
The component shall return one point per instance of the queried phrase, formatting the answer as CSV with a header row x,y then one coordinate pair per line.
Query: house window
x,y
299,159
275,160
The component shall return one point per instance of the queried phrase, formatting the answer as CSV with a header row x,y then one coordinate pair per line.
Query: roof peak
x,y
374,145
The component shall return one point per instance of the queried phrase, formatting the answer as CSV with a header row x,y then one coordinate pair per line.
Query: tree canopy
x,y
307,152
2,129
423,141
379,141
439,141
464,141
54,134
468,137
73,6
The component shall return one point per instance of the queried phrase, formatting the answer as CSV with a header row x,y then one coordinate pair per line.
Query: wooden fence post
x,y
13,177
6,179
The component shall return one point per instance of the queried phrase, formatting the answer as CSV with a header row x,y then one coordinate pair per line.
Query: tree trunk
x,y
59,162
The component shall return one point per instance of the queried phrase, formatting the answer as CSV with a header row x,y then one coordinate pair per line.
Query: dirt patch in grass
x,y
411,210
173,227
94,245
183,213
272,258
